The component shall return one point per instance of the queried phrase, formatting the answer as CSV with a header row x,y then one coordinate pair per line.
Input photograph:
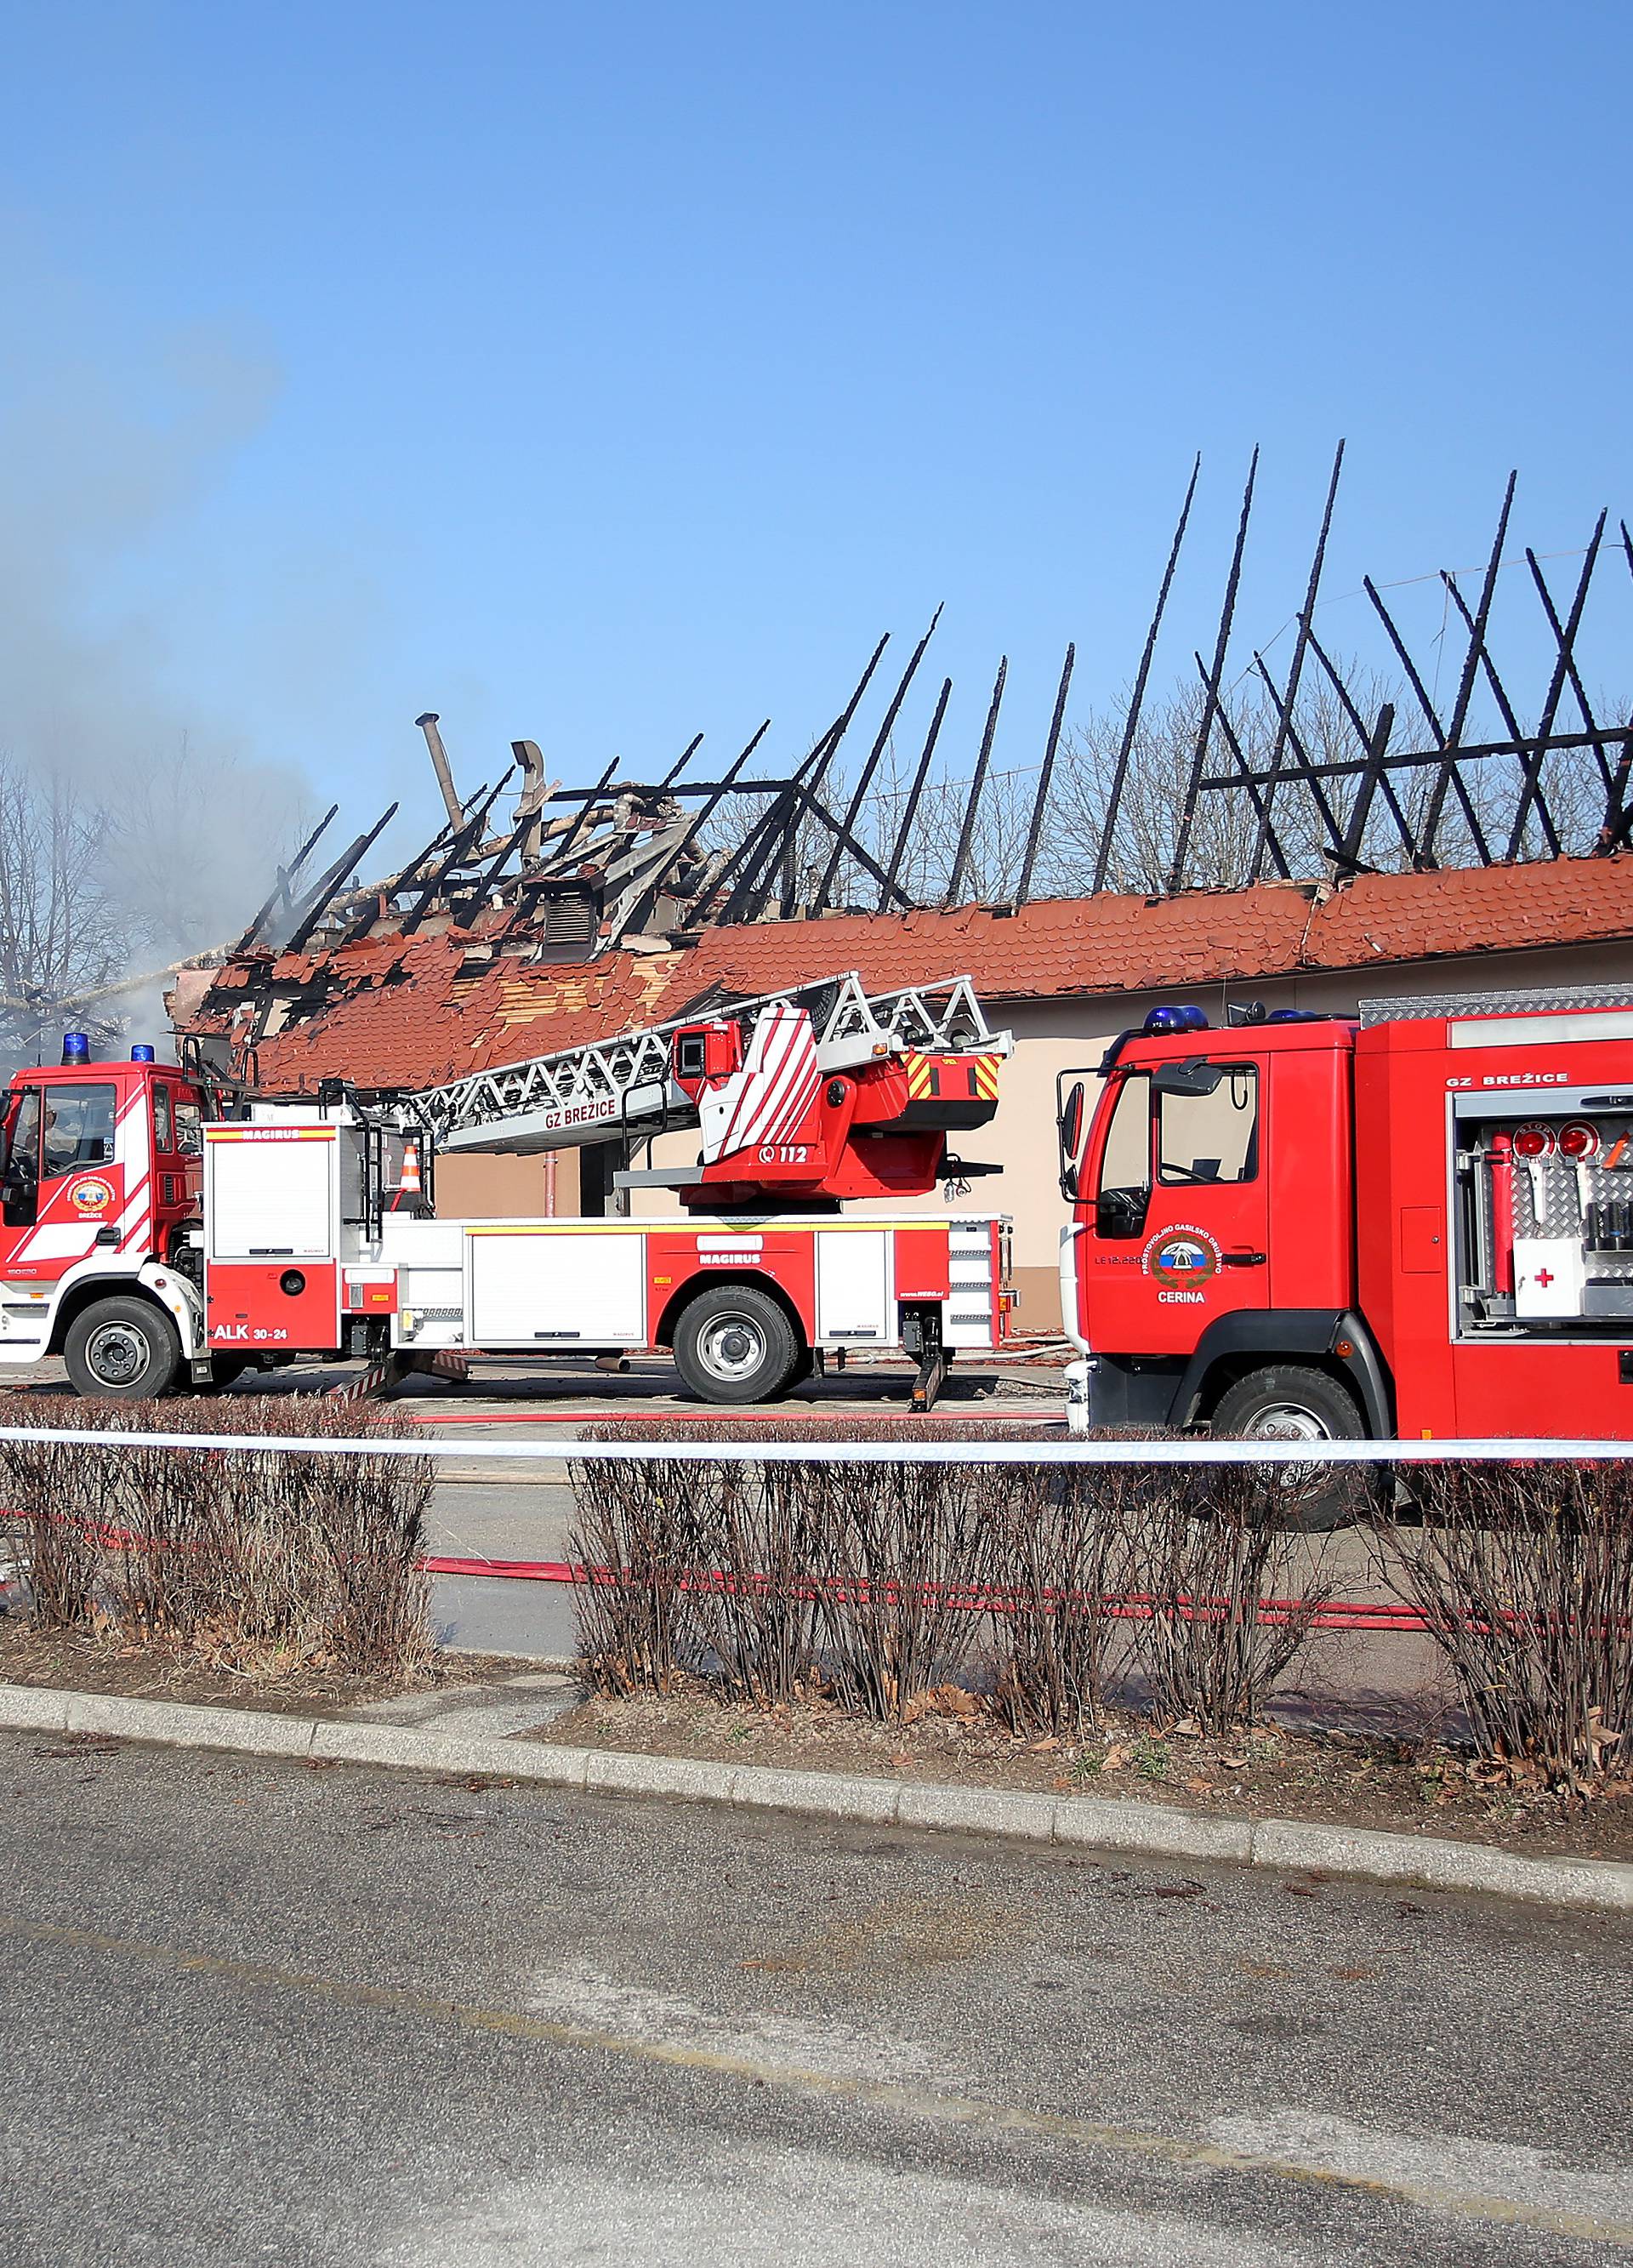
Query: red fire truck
x,y
160,1228
1416,1222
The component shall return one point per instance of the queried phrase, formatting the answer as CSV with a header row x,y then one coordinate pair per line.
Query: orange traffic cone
x,y
410,1195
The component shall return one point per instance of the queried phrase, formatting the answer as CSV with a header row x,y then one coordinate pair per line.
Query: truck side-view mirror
x,y
1193,1077
1070,1126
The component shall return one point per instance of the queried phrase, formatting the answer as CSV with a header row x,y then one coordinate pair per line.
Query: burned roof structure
x,y
618,870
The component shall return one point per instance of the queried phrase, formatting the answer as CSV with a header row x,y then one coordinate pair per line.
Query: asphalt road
x,y
260,2013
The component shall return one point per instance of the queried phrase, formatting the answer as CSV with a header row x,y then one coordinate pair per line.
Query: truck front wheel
x,y
735,1344
1289,1402
123,1350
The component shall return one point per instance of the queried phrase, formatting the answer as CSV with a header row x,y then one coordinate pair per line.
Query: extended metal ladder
x,y
625,1085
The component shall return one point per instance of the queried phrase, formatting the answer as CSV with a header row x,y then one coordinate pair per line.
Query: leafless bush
x,y
254,1560
1060,1547
882,1580
903,1543
760,1570
1208,1561
1523,1575
641,1537
762,1619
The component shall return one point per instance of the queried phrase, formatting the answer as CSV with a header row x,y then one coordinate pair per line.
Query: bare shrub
x,y
1207,1561
762,1618
55,1541
762,1571
642,1538
1524,1576
256,1560
1060,1548
895,1613
880,1581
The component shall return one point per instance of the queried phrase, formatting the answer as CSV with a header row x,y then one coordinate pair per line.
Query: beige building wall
x,y
1052,1037
475,1186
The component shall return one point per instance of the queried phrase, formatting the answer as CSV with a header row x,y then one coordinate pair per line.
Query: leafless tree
x,y
61,933
95,890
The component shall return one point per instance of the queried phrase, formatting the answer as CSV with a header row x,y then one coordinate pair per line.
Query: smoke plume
x,y
134,827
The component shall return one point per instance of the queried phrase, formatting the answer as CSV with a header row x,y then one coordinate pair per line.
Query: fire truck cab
x,y
101,1174
1414,1222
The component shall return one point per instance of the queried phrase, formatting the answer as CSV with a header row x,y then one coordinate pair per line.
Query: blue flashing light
x,y
141,1052
76,1047
1295,1016
1162,1022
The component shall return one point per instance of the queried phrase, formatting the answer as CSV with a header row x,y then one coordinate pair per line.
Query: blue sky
x,y
606,375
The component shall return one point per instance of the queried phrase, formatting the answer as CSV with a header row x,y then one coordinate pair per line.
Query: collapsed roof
x,y
635,898
410,1009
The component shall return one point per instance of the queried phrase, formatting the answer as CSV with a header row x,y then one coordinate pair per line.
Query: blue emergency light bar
x,y
141,1052
76,1047
1162,1021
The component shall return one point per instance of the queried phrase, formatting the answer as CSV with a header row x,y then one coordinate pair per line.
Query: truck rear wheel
x,y
1289,1402
123,1350
735,1344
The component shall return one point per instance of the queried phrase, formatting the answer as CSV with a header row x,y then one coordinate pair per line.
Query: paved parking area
x,y
320,2018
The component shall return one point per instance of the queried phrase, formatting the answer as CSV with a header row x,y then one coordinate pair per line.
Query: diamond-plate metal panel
x,y
1402,1007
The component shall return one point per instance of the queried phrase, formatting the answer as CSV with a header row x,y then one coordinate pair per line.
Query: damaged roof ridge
x,y
432,1019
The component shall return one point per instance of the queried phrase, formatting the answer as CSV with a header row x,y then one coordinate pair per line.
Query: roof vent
x,y
569,918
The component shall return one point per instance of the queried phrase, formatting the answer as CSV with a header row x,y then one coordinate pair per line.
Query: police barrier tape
x,y
1133,1451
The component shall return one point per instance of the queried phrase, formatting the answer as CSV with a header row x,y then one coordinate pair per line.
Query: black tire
x,y
735,1344
122,1350
1290,1400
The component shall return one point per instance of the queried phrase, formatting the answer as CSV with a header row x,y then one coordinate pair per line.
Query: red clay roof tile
x,y
402,1015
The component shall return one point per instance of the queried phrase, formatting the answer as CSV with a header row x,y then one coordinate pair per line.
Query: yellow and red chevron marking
x,y
946,1077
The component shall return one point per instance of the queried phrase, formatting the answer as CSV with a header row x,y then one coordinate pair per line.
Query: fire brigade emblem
x,y
91,1196
1182,1258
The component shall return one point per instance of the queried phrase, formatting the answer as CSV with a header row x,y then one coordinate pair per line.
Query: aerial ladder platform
x,y
807,1095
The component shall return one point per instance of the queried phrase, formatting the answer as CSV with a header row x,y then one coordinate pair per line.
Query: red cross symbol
x,y
1545,1276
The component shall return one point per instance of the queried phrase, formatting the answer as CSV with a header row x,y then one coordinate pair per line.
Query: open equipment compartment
x,y
1544,1212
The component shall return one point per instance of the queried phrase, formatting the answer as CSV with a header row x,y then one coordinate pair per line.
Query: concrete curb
x,y
1087,1822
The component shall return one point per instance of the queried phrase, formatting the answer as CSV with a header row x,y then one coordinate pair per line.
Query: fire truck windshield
x,y
79,1128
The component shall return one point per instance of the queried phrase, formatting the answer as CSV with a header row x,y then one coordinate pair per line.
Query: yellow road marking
x,y
912,2102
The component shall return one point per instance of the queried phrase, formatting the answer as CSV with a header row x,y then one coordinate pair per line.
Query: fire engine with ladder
x,y
1415,1222
161,1228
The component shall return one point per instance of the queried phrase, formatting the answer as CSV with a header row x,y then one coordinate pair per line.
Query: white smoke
x,y
105,441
